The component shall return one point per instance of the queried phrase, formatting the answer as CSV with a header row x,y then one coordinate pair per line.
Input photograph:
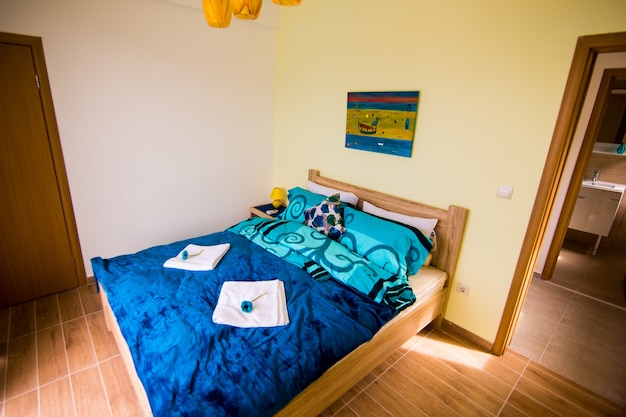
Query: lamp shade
x,y
277,196
247,9
287,2
217,12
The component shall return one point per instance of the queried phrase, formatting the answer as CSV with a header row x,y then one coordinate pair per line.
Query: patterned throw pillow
x,y
326,217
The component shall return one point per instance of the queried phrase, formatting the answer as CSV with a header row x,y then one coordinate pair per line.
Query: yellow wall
x,y
491,76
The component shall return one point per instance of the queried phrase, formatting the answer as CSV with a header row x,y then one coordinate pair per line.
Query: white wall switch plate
x,y
505,192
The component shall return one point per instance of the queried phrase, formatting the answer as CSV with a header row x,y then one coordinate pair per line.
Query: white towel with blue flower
x,y
252,304
198,258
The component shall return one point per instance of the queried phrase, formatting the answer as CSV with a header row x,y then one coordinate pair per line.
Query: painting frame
x,y
382,121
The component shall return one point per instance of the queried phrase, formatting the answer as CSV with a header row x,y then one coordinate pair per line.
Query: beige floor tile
x,y
120,391
529,407
586,368
601,275
89,395
346,412
423,393
548,399
442,386
485,388
23,406
70,305
91,300
589,311
55,399
388,398
78,344
103,341
531,339
595,336
47,312
21,375
51,354
574,393
22,319
477,361
510,411
367,407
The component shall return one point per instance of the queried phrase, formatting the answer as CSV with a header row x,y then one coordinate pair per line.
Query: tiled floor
x,y
437,375
602,276
57,359
575,324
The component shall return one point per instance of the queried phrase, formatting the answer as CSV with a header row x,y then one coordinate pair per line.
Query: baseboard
x,y
459,332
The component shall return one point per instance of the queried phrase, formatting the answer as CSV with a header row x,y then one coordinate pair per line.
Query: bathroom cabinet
x,y
596,208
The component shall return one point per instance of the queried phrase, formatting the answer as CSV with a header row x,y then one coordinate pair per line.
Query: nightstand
x,y
261,211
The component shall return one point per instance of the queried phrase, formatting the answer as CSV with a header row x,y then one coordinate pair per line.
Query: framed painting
x,y
382,122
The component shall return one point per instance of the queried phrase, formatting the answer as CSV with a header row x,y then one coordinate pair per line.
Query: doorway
x,y
594,263
39,250
587,50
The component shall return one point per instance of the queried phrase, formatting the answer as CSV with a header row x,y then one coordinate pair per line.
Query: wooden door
x,y
36,256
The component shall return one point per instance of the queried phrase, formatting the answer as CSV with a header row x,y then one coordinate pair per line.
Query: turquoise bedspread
x,y
190,366
309,249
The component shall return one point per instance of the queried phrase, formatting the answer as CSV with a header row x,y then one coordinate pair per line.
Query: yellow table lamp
x,y
277,196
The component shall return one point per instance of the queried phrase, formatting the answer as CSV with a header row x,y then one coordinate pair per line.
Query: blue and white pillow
x,y
326,217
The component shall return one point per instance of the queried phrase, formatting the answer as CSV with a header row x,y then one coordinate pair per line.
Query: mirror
x,y
613,125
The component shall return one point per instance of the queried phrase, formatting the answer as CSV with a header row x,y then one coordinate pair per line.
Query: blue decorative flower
x,y
184,255
246,306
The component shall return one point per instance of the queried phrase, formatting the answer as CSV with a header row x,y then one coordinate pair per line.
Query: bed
x,y
303,359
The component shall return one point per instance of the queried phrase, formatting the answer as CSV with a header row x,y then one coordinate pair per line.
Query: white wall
x,y
491,76
166,124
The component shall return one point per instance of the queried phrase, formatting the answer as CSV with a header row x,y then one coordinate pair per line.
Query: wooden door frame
x,y
587,49
584,156
45,93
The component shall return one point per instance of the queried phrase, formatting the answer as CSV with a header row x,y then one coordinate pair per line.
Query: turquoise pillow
x,y
300,200
396,248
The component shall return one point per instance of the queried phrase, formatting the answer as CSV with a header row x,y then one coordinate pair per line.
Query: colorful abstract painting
x,y
382,122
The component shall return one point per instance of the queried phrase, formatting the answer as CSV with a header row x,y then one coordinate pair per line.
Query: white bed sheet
x,y
426,282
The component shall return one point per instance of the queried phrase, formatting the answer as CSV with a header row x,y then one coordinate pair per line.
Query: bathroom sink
x,y
600,184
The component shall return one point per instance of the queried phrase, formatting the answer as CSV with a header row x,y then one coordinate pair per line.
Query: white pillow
x,y
345,196
426,226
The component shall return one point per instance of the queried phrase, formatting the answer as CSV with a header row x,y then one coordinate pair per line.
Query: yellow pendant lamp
x,y
247,9
217,12
287,2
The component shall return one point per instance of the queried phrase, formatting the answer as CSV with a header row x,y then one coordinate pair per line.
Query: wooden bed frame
x,y
351,369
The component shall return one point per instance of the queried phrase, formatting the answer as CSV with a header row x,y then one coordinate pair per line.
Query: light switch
x,y
505,192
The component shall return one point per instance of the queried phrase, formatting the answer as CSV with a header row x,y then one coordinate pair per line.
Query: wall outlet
x,y
462,288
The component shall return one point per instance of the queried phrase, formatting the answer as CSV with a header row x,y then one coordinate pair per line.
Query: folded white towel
x,y
268,310
198,258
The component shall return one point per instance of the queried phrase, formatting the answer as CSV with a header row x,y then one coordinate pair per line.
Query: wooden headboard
x,y
449,228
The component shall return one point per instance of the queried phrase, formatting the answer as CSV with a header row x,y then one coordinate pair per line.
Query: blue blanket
x,y
190,366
